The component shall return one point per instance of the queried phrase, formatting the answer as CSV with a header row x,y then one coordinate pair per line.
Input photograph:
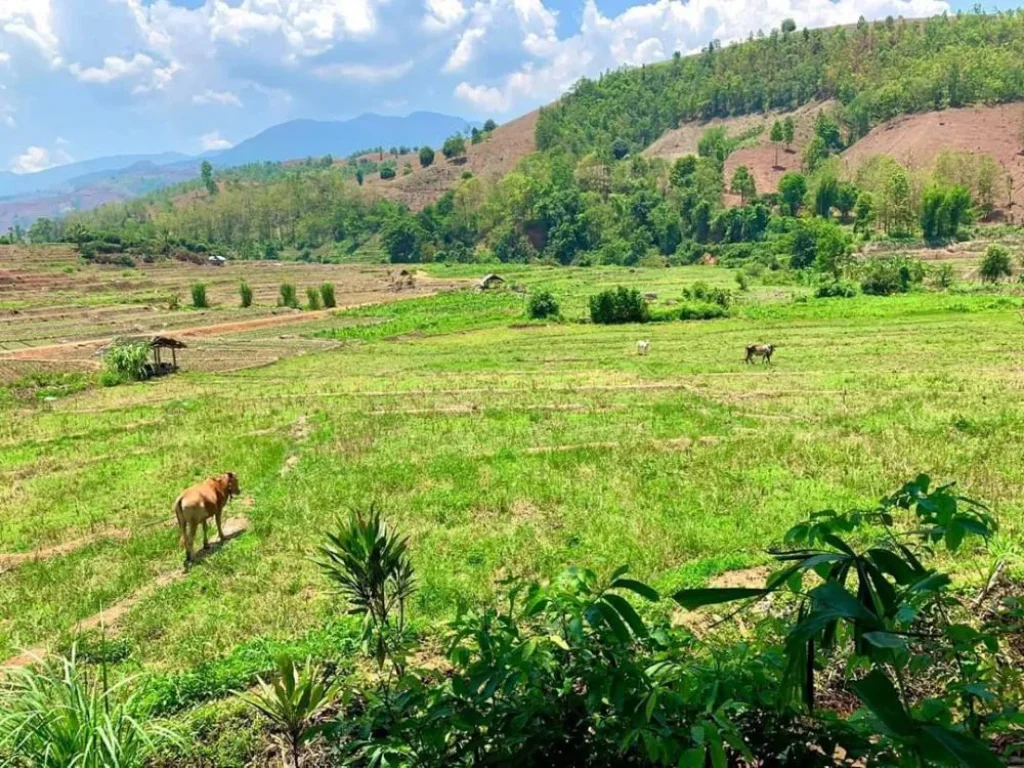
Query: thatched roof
x,y
491,279
153,342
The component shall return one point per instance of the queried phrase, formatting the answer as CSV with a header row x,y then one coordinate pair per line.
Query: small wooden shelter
x,y
155,343
491,281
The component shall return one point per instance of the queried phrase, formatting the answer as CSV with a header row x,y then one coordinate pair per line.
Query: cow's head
x,y
231,480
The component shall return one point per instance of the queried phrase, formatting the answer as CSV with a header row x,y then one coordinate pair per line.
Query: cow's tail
x,y
181,522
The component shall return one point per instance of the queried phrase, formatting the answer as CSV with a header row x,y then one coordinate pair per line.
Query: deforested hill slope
x,y
875,71
490,160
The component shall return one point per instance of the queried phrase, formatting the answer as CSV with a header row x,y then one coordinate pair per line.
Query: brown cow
x,y
201,502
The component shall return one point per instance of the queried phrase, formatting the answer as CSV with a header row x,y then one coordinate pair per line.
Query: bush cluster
x,y
619,305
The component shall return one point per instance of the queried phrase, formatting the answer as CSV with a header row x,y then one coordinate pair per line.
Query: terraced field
x,y
501,446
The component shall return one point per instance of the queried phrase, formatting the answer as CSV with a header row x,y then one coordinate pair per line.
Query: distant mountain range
x,y
86,184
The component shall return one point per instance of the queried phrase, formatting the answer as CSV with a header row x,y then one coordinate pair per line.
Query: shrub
x,y
886,275
387,172
312,298
944,276
619,305
288,297
327,295
701,310
542,304
995,264
125,362
199,300
63,715
426,157
245,294
841,289
742,280
702,292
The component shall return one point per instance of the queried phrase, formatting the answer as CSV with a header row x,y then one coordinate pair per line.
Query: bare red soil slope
x,y
490,160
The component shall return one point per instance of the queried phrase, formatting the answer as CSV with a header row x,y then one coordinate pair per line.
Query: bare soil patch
x,y
489,160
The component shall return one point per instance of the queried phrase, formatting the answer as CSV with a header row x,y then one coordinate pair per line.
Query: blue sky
x,y
84,78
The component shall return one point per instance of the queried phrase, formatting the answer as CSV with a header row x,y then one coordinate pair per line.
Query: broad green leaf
x,y
697,598
652,702
692,758
627,613
954,535
637,587
885,640
879,696
559,641
612,619
951,747
891,563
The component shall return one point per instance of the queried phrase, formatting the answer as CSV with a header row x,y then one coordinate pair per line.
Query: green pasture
x,y
504,447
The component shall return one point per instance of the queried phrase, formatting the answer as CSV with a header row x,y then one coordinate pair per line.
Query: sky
x,y
87,78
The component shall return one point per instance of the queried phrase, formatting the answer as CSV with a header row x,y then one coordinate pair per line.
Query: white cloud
x,y
9,121
642,34
443,14
364,73
483,98
213,140
224,98
465,51
4,57
35,159
114,68
32,21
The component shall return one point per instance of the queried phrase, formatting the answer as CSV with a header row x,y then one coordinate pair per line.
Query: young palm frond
x,y
293,702
370,565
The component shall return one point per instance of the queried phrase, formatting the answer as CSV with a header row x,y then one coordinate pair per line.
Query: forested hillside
x,y
589,197
875,70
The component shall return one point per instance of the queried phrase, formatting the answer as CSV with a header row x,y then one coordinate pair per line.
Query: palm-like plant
x,y
62,715
370,565
293,702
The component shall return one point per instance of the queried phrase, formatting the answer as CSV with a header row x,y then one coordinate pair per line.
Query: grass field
x,y
502,447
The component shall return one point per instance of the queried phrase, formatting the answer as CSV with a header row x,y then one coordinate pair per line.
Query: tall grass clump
x,y
327,295
66,715
199,300
125,362
245,294
287,296
313,298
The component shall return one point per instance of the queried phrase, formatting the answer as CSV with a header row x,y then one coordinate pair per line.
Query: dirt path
x,y
10,561
57,351
109,618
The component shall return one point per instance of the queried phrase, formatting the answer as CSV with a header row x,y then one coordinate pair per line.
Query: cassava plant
x,y
878,610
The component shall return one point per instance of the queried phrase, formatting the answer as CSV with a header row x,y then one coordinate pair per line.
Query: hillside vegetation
x,y
875,70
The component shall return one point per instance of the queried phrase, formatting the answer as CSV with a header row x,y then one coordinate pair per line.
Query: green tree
x,y
403,241
788,131
788,26
387,172
792,189
846,199
743,184
426,157
454,146
826,194
777,135
995,264
620,148
490,125
206,172
864,211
